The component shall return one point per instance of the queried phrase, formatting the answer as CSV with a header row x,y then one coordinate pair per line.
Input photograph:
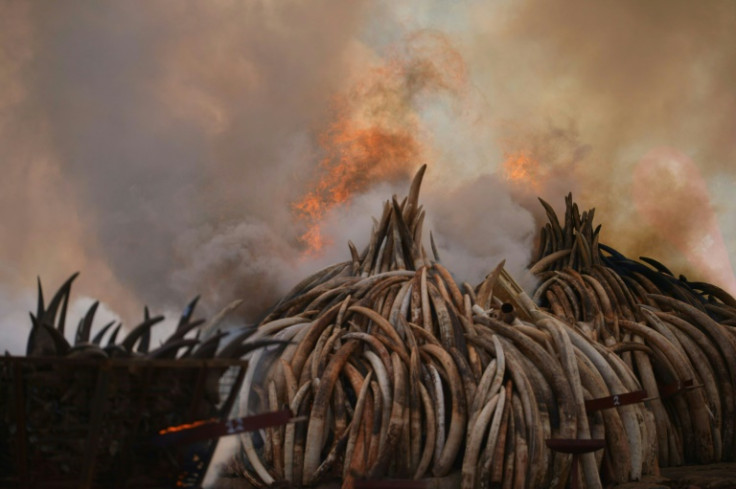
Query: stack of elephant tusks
x,y
677,336
405,374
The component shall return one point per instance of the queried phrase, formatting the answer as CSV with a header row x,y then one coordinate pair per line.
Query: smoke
x,y
14,320
477,225
587,90
662,179
139,141
376,135
159,147
623,78
15,324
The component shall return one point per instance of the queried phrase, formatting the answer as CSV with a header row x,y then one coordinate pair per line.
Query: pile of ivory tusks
x,y
675,335
401,373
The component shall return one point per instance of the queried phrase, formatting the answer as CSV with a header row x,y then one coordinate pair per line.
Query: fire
x,y
375,136
186,426
521,168
358,156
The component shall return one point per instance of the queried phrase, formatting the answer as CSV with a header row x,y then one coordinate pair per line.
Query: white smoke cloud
x,y
141,139
15,324
477,225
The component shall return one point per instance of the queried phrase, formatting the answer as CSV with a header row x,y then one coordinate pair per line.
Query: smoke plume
x,y
160,147
156,147
621,79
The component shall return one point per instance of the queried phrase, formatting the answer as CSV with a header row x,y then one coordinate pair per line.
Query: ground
x,y
716,476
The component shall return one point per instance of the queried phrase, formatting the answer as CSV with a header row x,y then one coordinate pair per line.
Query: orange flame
x,y
521,169
375,135
358,157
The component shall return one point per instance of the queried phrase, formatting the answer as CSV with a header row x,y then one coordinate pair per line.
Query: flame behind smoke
x,y
520,168
376,134
358,156
160,117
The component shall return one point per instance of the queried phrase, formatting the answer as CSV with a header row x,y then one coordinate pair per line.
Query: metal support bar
x,y
669,390
615,401
576,447
194,432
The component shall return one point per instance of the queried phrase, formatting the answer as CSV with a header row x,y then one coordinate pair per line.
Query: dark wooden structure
x,y
84,423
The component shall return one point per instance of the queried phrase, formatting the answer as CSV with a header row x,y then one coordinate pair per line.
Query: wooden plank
x,y
20,419
98,410
198,391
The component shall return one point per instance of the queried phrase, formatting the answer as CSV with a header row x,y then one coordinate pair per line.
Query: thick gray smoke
x,y
158,147
477,225
621,78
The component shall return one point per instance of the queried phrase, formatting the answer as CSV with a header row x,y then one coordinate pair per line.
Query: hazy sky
x,y
158,147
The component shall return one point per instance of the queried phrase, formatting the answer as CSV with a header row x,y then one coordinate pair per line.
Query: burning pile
x,y
677,336
402,373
